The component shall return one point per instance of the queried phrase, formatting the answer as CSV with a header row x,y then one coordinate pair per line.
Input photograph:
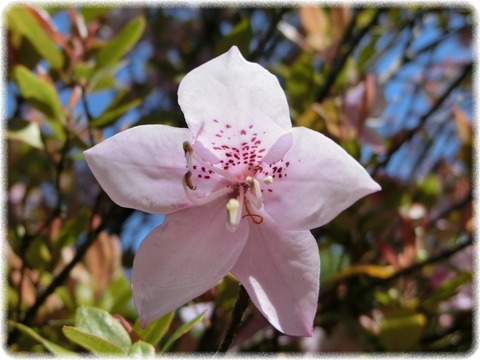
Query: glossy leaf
x,y
156,330
39,93
142,349
20,19
122,43
240,35
401,330
182,330
92,342
100,323
50,346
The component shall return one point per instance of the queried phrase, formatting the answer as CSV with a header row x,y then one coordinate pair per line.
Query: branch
x,y
237,313
257,53
63,275
351,43
410,133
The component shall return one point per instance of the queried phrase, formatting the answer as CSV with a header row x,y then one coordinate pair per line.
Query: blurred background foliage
x,y
393,86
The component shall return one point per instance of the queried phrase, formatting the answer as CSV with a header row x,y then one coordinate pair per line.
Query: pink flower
x,y
241,187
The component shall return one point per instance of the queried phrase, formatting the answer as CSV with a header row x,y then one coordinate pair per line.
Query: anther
x,y
188,180
233,206
267,180
187,147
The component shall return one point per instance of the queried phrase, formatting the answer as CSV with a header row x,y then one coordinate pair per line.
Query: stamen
x,y
268,180
255,189
258,193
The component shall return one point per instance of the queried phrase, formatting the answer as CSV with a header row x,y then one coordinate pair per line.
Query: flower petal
x,y
280,271
183,258
229,101
314,182
143,167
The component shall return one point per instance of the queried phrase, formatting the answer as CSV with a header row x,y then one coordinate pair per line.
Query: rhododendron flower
x,y
241,188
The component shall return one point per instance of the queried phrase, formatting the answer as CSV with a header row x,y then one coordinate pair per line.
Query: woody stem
x,y
240,306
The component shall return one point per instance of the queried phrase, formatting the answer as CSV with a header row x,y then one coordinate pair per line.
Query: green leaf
x,y
240,35
19,19
39,93
142,349
182,330
103,325
91,342
72,229
90,13
156,330
38,253
376,271
25,131
122,43
401,330
115,109
101,78
53,348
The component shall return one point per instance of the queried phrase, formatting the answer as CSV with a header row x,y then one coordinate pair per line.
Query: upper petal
x,y
183,258
229,101
314,182
280,271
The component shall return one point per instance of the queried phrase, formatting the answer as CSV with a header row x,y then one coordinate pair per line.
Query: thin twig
x,y
63,275
257,53
237,313
410,133
350,42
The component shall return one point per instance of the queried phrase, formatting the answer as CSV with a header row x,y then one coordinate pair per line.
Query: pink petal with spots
x,y
280,271
229,101
279,149
315,181
142,168
183,258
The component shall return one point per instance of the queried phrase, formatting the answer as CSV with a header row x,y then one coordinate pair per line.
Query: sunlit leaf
x,y
142,349
92,342
100,323
182,330
156,330
376,271
50,346
25,131
122,43
38,92
20,19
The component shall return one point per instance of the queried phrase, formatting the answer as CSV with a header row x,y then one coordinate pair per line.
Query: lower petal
x,y
183,258
280,271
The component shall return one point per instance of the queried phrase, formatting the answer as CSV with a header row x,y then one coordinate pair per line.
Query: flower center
x,y
245,193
